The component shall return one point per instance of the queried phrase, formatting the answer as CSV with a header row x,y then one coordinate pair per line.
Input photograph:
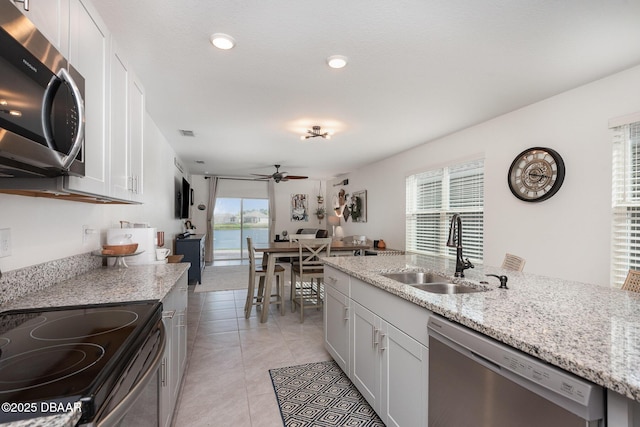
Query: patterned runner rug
x,y
320,394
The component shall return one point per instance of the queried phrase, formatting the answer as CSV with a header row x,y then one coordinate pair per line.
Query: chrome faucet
x,y
455,241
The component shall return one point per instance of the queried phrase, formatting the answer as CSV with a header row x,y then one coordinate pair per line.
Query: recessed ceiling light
x,y
222,41
337,61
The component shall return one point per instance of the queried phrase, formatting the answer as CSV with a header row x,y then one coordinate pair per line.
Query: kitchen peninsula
x,y
588,330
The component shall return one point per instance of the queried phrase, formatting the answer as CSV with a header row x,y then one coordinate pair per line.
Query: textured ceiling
x,y
418,70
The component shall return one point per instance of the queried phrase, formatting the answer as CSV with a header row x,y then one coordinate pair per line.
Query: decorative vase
x,y
381,244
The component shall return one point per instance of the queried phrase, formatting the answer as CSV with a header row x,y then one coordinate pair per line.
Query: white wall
x,y
567,236
46,229
283,193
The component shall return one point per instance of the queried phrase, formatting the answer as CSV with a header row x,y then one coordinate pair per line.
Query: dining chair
x,y
513,262
259,299
632,282
309,268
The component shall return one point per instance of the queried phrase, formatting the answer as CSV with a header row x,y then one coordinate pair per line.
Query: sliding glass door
x,y
235,219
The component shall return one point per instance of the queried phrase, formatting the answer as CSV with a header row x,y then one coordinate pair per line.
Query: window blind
x,y
431,199
625,248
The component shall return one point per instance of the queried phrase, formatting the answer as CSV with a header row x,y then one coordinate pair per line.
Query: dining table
x,y
273,250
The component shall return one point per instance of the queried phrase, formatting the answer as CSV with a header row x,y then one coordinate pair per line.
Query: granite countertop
x,y
102,285
590,330
105,285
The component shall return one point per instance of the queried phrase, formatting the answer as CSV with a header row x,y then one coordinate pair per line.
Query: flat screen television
x,y
185,199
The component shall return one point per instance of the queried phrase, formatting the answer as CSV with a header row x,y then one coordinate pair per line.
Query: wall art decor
x,y
358,206
299,207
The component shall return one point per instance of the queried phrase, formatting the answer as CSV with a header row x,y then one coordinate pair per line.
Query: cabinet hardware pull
x,y
346,313
168,314
25,4
332,280
375,334
382,348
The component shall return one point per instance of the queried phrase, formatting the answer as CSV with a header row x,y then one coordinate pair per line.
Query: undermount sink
x,y
431,282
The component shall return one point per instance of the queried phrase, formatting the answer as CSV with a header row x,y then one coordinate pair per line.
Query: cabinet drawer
x,y
404,315
337,280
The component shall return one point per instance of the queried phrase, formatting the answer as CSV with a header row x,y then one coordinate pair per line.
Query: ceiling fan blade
x,y
296,177
260,175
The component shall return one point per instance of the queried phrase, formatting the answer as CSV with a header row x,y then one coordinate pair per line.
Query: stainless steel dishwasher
x,y
477,381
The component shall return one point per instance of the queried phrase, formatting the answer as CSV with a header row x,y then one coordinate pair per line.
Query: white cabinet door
x,y
165,393
365,358
127,127
405,380
336,326
118,120
174,310
88,53
51,17
179,344
136,129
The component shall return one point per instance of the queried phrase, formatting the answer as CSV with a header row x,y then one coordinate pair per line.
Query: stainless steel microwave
x,y
41,103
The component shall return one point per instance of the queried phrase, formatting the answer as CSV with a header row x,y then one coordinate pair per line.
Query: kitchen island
x,y
589,330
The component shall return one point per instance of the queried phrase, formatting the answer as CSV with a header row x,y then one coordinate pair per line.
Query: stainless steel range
x,y
98,357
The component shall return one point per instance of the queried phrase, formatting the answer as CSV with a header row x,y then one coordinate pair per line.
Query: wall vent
x,y
185,132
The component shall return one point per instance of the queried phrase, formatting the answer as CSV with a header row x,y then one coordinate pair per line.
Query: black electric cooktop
x,y
50,358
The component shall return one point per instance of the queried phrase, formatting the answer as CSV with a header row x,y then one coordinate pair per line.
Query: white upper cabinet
x,y
126,124
114,98
118,124
51,17
89,53
136,137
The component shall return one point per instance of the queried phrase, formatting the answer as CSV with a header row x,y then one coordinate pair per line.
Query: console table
x,y
192,247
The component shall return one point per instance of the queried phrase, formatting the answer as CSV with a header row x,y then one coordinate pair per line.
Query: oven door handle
x,y
113,417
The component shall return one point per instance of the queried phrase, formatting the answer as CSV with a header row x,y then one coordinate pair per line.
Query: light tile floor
x,y
227,380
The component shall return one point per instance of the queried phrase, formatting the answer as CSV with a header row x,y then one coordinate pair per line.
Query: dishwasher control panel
x,y
545,375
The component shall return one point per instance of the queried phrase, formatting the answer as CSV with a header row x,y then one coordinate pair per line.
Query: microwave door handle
x,y
47,104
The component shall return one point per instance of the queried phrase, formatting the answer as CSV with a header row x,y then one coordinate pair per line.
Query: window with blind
x,y
433,197
625,251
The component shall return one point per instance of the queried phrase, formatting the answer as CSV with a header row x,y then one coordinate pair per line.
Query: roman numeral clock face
x,y
536,174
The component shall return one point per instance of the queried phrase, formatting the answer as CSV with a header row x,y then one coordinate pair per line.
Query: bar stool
x,y
513,262
632,282
309,267
259,299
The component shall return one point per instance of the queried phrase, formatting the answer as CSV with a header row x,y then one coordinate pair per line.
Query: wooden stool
x,y
259,299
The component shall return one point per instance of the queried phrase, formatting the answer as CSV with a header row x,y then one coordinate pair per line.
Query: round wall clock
x,y
536,174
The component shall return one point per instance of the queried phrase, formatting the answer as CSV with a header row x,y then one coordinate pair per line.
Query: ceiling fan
x,y
278,176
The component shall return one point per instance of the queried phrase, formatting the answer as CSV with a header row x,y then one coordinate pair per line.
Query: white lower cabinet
x,y
336,326
382,340
174,315
390,369
366,355
405,379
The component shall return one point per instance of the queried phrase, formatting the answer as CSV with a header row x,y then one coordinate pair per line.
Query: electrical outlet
x,y
5,242
89,233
